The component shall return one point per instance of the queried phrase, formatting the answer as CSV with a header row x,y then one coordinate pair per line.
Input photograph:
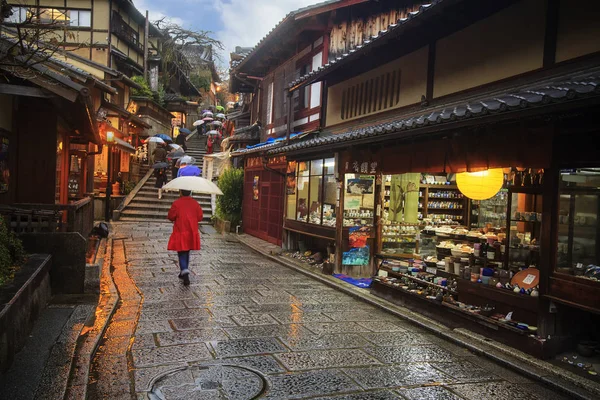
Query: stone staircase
x,y
146,205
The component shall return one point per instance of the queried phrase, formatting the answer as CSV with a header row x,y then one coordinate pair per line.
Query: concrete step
x,y
127,213
153,192
136,219
160,207
204,201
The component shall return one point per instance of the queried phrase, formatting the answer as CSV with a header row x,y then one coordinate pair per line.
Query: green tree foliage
x,y
12,254
229,205
201,79
145,91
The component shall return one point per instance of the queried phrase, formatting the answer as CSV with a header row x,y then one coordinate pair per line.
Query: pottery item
x,y
487,311
527,278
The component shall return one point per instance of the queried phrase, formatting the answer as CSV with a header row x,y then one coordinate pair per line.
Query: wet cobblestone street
x,y
248,327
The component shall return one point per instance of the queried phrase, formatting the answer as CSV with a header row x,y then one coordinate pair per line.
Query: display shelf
x,y
525,221
417,280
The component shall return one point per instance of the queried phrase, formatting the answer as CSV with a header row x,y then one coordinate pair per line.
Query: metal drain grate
x,y
208,382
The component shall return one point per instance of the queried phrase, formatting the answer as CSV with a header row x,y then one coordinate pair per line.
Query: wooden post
x,y
290,117
146,28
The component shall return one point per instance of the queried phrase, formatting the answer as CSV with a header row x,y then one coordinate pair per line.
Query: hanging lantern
x,y
480,185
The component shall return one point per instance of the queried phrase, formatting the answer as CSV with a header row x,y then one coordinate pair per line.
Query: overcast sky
x,y
234,22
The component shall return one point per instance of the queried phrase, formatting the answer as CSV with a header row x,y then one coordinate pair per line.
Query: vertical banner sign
x,y
255,188
4,166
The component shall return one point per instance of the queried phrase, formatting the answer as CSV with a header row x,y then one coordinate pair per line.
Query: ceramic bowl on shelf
x,y
458,253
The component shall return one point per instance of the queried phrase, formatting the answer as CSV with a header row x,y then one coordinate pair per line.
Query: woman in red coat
x,y
186,213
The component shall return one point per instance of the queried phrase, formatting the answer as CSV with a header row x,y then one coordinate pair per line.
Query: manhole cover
x,y
208,382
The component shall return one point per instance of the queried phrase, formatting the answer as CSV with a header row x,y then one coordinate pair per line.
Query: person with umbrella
x,y
180,140
186,214
160,165
188,168
209,144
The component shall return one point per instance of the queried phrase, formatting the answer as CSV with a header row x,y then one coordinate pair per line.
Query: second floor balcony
x,y
125,32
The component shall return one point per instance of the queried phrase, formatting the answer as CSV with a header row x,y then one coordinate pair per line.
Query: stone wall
x,y
22,301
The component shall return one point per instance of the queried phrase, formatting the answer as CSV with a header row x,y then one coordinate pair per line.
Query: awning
x,y
123,145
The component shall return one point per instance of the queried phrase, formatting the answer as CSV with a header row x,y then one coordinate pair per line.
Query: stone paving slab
x,y
246,347
335,341
397,376
193,336
171,354
258,331
316,359
372,395
312,383
304,338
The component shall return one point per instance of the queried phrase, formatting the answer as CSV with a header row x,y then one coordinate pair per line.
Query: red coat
x,y
186,213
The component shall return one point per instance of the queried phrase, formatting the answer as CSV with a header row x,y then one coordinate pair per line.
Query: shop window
x,y
312,192
51,16
578,250
359,200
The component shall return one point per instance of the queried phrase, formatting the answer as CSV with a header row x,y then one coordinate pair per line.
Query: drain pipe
x,y
237,229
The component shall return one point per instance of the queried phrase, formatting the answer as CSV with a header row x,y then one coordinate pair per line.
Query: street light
x,y
110,138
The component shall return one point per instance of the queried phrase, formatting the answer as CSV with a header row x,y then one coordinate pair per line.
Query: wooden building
x,y
419,94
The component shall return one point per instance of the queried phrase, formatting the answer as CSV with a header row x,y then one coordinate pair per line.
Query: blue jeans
x,y
184,259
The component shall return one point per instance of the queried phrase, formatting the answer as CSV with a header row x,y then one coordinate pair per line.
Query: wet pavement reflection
x,y
248,327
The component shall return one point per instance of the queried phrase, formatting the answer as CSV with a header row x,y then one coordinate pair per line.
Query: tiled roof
x,y
61,67
290,15
356,52
558,90
246,133
265,146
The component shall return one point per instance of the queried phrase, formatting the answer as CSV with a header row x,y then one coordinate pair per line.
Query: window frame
x,y
323,175
38,10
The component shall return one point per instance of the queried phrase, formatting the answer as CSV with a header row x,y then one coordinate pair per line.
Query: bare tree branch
x,y
185,50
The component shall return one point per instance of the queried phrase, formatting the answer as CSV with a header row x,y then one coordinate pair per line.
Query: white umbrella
x,y
198,123
216,123
174,146
207,119
194,184
207,114
220,115
187,160
155,139
212,133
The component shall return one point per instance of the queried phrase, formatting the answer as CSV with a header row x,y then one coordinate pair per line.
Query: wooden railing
x,y
74,217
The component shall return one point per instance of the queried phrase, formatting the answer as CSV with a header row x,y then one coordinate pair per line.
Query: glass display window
x,y
312,192
359,200
578,250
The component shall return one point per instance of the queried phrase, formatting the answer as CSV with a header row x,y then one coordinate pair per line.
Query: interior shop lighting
x,y
480,185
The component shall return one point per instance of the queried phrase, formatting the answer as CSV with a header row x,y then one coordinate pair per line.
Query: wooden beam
x,y
431,70
551,34
26,91
330,7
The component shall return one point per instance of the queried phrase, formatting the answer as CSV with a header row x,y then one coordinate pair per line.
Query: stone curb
x,y
539,370
86,347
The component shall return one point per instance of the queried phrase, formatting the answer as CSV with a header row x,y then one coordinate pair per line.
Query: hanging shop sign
x,y
4,166
73,185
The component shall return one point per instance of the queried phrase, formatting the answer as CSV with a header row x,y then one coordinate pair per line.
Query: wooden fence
x,y
74,217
